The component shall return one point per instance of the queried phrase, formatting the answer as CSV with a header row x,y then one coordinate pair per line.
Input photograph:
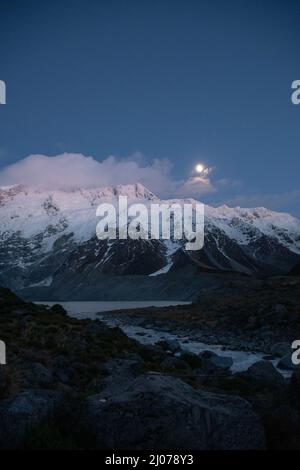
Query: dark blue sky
x,y
189,81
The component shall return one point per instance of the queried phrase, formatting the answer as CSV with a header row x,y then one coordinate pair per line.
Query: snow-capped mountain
x,y
48,241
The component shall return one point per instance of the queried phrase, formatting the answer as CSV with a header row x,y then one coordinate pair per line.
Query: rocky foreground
x,y
79,384
241,313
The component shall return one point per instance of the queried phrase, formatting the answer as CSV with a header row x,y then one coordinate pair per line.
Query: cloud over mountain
x,y
70,170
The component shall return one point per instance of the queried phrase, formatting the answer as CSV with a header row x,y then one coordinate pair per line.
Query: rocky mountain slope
x,y
49,248
295,270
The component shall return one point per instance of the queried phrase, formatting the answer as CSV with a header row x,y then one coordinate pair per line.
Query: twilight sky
x,y
149,88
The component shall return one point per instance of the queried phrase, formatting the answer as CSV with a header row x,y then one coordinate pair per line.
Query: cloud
x,y
193,184
70,170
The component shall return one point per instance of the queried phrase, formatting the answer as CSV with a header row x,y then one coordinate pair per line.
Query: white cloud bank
x,y
70,170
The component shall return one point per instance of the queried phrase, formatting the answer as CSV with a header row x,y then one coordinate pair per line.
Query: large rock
x,y
287,363
120,372
172,345
159,412
281,349
265,371
210,358
192,359
21,412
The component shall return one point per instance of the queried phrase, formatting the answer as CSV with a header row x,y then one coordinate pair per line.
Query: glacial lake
x,y
90,309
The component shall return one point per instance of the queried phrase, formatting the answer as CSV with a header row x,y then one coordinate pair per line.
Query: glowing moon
x,y
199,168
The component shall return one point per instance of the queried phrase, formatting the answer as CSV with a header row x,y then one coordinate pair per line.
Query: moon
x,y
199,168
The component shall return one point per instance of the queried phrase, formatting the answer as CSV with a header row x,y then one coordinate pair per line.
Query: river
x,y
96,310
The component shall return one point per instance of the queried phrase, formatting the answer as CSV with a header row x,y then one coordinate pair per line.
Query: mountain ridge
x,y
48,237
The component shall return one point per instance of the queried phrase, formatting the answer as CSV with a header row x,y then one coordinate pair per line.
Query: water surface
x,y
90,309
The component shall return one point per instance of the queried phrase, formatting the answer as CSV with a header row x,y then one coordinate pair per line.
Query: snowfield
x,y
31,212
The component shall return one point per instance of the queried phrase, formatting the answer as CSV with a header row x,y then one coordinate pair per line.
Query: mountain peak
x,y
142,191
132,191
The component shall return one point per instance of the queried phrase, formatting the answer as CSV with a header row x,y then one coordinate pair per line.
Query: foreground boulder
x,y
212,360
19,413
171,345
266,372
287,363
281,349
160,412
